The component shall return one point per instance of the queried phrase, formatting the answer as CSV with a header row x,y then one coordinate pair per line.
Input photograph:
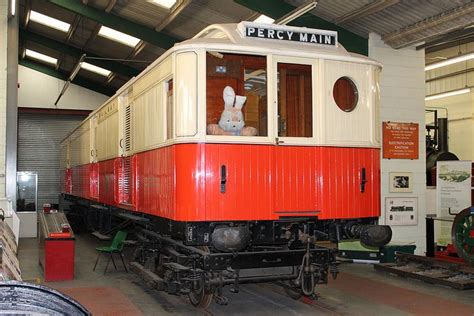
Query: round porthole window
x,y
345,94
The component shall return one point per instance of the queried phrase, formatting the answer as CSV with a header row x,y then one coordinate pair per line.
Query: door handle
x,y
363,180
223,178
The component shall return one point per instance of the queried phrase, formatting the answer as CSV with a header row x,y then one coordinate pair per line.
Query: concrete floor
x,y
359,290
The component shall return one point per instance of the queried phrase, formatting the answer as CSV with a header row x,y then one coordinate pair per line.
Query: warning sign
x,y
400,140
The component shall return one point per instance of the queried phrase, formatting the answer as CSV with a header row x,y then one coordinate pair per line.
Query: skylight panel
x,y
95,69
49,21
41,57
117,36
164,3
264,19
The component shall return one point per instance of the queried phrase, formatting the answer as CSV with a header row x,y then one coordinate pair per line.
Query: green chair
x,y
116,247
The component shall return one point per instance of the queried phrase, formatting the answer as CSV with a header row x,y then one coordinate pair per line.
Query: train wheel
x,y
462,234
199,298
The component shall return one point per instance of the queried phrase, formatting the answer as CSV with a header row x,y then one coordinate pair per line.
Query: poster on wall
x,y
400,140
453,194
400,182
401,211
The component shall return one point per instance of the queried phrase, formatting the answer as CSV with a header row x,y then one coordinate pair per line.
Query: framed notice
x,y
400,182
453,194
401,211
400,140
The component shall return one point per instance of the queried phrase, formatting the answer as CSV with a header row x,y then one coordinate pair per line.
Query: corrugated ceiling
x,y
393,21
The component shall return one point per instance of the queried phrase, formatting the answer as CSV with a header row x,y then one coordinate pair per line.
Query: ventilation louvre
x,y
128,128
126,181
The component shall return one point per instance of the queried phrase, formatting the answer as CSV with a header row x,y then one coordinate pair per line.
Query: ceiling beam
x,y
426,29
278,8
76,53
448,38
175,11
366,10
120,24
56,74
457,42
96,30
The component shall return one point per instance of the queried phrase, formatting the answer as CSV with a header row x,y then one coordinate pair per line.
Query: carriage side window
x,y
236,95
345,94
295,100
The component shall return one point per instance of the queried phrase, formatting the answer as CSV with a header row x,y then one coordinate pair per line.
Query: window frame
x,y
353,84
269,138
315,77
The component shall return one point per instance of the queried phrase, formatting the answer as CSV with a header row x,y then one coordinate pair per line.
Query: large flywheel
x,y
462,234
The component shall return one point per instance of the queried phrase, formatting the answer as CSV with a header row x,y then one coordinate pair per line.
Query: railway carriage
x,y
241,148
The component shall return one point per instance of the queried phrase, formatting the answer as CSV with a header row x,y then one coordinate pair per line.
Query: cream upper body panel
x,y
182,112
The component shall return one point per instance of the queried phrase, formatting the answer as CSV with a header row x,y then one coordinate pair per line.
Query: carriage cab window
x,y
236,95
295,100
345,94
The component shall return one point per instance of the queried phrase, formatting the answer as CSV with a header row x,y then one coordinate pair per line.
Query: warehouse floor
x,y
359,290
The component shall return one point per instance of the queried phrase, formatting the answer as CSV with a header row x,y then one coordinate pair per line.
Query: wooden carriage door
x,y
295,154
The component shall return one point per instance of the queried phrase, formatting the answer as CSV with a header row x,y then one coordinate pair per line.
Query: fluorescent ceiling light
x,y
164,3
13,7
264,19
97,70
49,21
42,57
450,61
117,36
447,94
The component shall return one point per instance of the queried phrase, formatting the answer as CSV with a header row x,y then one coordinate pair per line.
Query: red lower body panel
x,y
81,178
219,182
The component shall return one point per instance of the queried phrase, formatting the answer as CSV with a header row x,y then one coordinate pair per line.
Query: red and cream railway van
x,y
243,122
235,152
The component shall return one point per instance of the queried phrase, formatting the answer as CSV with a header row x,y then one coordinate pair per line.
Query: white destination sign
x,y
288,33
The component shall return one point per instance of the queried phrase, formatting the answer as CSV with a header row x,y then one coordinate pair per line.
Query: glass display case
x,y
27,191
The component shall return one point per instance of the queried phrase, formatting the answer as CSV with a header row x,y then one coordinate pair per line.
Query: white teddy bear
x,y
232,119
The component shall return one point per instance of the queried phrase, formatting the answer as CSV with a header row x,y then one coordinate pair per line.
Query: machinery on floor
x,y
22,298
234,154
436,145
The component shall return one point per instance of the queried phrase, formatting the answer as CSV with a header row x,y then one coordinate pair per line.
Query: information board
x,y
453,194
401,211
400,140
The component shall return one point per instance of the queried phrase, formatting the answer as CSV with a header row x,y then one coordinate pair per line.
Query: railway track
x,y
315,304
455,275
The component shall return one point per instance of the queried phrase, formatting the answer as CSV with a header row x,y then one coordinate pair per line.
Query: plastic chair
x,y
116,247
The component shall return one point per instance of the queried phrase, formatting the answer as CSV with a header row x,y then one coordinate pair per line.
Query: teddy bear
x,y
232,119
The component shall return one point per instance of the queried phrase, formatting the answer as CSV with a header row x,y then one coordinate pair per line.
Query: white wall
x,y
3,90
460,123
39,90
402,100
445,80
460,107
